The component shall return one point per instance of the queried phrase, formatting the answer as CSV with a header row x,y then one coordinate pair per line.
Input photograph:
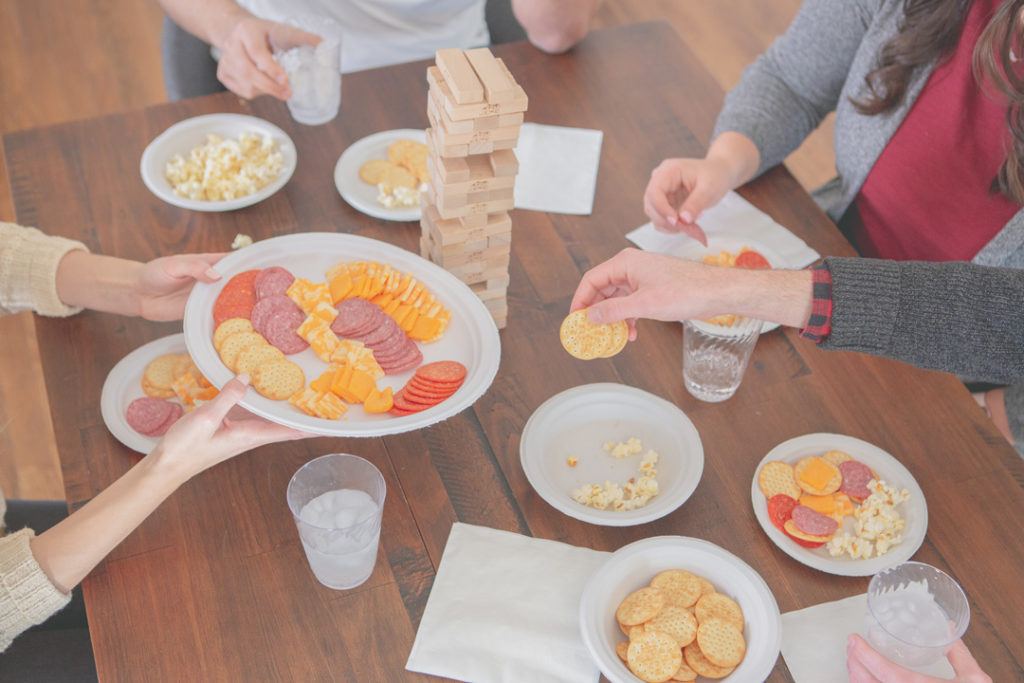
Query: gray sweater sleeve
x,y
958,317
785,94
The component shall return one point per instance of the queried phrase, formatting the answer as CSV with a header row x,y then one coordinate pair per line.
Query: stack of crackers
x,y
475,109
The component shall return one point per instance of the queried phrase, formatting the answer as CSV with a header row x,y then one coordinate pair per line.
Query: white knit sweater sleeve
x,y
28,270
27,596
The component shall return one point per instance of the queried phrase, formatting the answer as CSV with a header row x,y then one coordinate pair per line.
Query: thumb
x,y
230,394
962,660
615,309
192,266
700,198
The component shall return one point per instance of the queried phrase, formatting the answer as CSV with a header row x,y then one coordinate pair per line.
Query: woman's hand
x,y
216,431
865,665
162,286
637,284
247,66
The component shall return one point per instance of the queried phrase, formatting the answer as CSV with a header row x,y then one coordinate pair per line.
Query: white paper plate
x,y
183,137
891,470
471,337
579,421
124,384
693,250
363,196
633,566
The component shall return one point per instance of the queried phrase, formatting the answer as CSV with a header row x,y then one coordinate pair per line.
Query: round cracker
x,y
256,355
684,673
623,628
778,477
639,606
403,151
237,343
837,458
721,642
585,340
398,176
159,373
621,648
706,587
831,487
680,587
676,622
156,392
699,663
278,379
229,327
183,365
718,606
653,657
373,171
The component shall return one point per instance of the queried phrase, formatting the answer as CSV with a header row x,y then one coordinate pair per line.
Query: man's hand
x,y
865,665
162,286
247,66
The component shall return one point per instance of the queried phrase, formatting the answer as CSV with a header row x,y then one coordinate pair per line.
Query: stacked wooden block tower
x,y
475,109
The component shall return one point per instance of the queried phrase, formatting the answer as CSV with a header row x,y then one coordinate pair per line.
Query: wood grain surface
x,y
215,586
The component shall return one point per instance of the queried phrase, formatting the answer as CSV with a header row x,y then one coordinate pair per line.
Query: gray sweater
x,y
958,317
816,67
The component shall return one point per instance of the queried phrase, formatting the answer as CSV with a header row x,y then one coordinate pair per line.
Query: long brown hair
x,y
928,33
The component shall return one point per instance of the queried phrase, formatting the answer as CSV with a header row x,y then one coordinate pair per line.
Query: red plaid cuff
x,y
819,325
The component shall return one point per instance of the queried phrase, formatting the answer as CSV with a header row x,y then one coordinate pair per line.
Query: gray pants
x,y
59,650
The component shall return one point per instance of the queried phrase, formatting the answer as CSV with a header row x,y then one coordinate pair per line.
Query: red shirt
x,y
928,197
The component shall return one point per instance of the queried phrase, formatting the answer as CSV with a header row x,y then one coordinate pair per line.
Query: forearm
x,y
72,548
555,25
102,283
737,154
209,20
778,296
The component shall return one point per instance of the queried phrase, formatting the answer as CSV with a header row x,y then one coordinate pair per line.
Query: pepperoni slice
x,y
273,281
856,476
401,402
752,260
780,509
423,395
237,298
813,522
443,371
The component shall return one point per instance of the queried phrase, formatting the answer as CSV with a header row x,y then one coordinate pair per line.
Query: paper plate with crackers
x,y
612,455
673,608
839,504
149,390
383,174
343,335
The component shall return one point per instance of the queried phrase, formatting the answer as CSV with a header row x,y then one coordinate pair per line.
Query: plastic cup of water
x,y
337,501
716,356
915,613
314,72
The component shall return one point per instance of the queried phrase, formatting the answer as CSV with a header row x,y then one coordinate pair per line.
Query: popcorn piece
x,y
571,461
631,446
241,241
635,493
877,526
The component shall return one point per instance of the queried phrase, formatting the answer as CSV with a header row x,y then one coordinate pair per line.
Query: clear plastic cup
x,y
716,356
337,501
915,613
314,73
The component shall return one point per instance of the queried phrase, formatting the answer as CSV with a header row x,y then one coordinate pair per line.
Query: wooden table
x,y
215,586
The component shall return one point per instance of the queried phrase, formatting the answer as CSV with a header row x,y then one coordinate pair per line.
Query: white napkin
x,y
737,218
505,607
557,168
814,641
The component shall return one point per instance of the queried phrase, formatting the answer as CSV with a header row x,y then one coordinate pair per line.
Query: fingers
x,y
857,672
193,266
612,273
693,230
296,36
617,308
268,75
230,394
876,665
964,663
665,180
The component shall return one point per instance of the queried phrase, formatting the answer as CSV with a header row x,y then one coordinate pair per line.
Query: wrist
x,y
778,296
166,469
222,24
736,155
102,283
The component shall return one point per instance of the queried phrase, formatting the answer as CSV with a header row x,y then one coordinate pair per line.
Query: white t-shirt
x,y
382,32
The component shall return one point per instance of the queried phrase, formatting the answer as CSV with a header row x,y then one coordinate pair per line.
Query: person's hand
x,y
866,665
680,190
639,284
995,406
247,66
216,431
162,286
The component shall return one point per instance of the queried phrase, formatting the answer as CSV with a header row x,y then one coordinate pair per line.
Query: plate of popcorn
x,y
839,504
218,162
611,455
680,609
382,175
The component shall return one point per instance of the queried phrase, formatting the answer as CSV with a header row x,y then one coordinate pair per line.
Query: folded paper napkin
x,y
814,641
737,218
557,168
505,607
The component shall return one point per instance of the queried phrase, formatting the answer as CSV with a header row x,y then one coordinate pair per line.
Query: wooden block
x,y
434,100
459,75
498,200
447,202
494,240
473,221
485,180
454,231
499,282
486,293
497,307
464,112
504,163
453,169
488,269
446,137
445,151
488,256
485,147
499,86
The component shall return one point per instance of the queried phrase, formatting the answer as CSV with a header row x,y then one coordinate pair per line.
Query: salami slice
x,y
408,363
384,332
176,412
780,509
856,476
237,298
390,346
272,307
280,331
146,415
273,281
813,523
398,353
353,314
